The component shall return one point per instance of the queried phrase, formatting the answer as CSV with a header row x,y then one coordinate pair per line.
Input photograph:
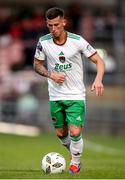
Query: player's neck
x,y
61,39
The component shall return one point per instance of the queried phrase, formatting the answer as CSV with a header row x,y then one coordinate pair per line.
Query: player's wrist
x,y
49,74
52,75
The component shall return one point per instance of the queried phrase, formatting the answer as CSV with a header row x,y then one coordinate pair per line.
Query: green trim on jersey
x,y
46,37
67,111
73,36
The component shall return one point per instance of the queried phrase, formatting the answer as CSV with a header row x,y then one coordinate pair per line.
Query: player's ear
x,y
64,22
47,24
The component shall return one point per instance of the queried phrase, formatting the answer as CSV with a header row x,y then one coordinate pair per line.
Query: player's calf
x,y
65,141
76,149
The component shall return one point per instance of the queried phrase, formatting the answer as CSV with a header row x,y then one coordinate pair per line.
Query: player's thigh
x,y
75,113
57,114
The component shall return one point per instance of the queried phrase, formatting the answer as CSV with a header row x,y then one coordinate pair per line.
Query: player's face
x,y
56,26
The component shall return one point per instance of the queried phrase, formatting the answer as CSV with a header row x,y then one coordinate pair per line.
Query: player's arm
x,y
97,84
41,69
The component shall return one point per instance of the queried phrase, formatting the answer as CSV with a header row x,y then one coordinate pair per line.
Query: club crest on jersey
x,y
61,57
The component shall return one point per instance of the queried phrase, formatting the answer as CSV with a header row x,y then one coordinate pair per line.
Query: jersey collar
x,y
64,41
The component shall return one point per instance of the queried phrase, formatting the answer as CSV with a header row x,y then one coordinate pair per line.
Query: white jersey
x,y
65,58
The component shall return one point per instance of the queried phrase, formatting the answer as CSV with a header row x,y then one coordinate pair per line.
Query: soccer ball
x,y
53,162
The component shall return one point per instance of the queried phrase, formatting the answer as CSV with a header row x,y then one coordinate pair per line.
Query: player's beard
x,y
56,35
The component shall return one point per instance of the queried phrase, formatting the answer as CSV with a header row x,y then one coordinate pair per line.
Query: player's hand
x,y
98,87
58,77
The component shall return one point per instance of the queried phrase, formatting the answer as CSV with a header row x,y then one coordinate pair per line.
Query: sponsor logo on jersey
x,y
78,118
62,67
61,54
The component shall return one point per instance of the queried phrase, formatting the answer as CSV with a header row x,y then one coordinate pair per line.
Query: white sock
x,y
65,141
76,149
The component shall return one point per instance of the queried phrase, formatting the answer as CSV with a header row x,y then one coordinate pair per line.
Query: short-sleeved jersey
x,y
65,58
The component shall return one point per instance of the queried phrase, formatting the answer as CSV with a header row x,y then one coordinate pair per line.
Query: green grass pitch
x,y
20,156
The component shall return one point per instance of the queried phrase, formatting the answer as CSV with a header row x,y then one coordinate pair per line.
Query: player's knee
x,y
61,133
75,131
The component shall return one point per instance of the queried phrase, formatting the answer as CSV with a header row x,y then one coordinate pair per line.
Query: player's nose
x,y
53,28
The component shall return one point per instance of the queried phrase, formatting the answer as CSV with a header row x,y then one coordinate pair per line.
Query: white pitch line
x,y
100,148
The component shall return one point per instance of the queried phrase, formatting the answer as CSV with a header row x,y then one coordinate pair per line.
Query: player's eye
x,y
50,25
56,24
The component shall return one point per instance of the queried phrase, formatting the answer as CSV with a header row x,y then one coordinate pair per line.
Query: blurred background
x,y
24,94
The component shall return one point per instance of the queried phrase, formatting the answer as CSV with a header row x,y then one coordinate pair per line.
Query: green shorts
x,y
67,111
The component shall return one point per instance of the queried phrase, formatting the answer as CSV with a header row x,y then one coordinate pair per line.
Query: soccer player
x,y
63,51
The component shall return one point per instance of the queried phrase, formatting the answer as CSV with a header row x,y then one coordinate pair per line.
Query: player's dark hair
x,y
54,12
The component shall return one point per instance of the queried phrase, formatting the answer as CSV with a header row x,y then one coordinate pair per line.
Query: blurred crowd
x,y
21,28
